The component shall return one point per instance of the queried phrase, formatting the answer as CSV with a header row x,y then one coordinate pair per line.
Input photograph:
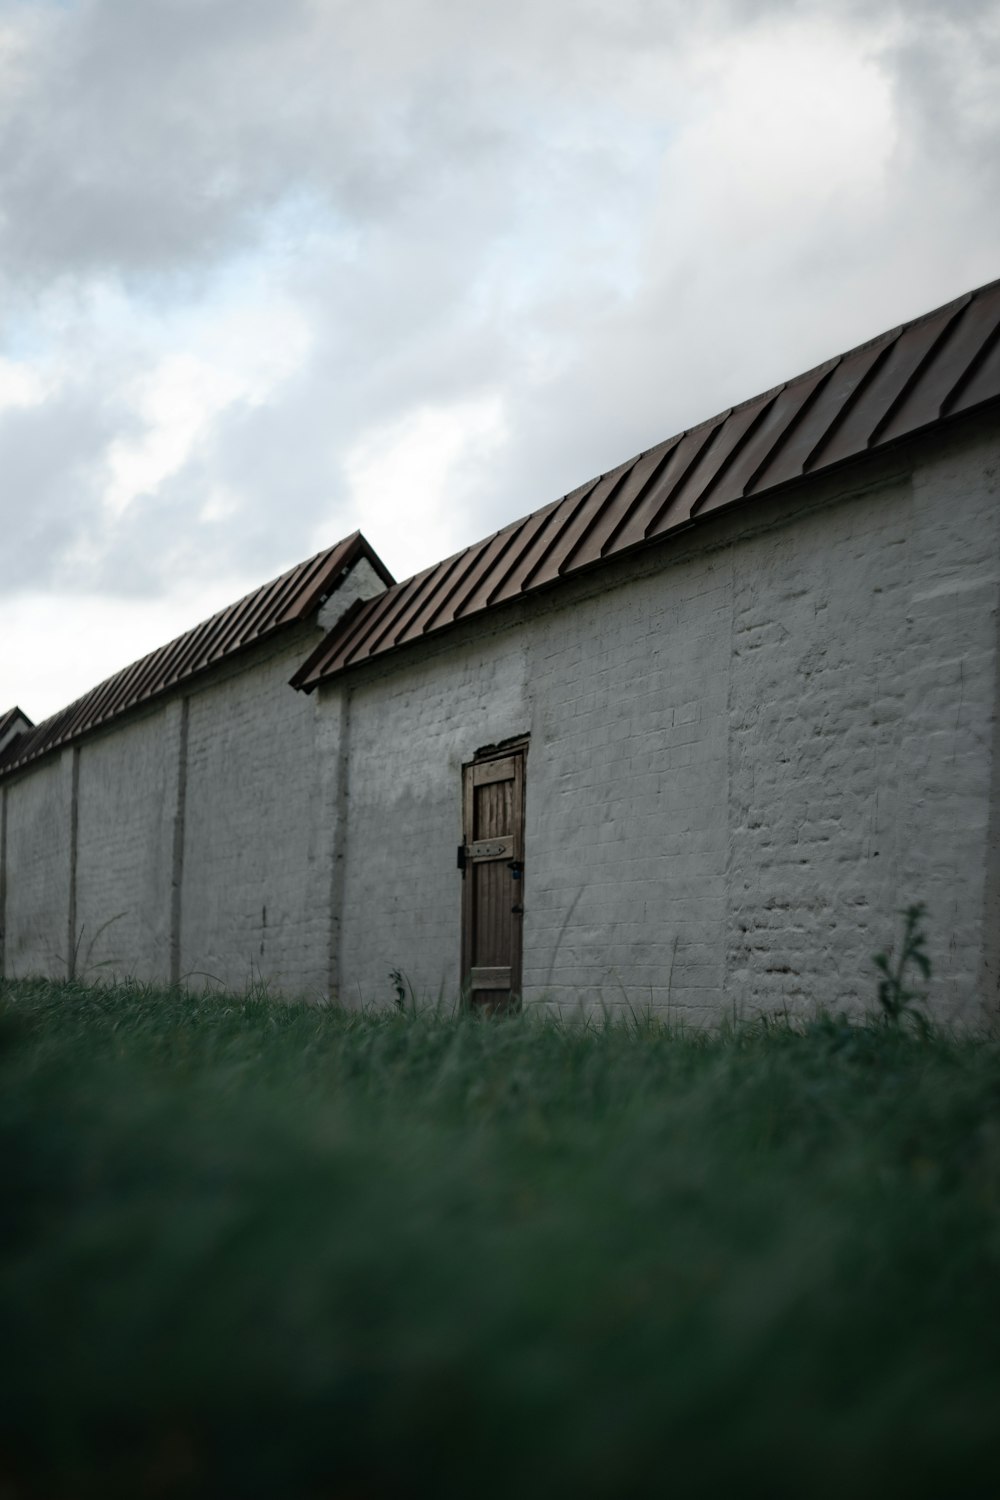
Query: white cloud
x,y
419,268
790,121
65,646
227,356
21,384
175,403
415,480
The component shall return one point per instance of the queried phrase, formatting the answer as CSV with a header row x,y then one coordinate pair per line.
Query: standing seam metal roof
x,y
289,598
939,365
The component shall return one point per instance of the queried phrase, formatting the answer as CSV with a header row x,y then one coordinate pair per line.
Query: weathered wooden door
x,y
492,860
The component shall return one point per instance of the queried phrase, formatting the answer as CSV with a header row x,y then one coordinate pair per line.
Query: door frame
x,y
514,748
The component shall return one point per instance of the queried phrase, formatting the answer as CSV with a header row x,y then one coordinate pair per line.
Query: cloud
x,y
124,142
158,139
408,478
51,457
270,272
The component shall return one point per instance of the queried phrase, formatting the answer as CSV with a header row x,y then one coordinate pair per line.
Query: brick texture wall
x,y
196,845
37,870
747,751
745,757
257,850
127,796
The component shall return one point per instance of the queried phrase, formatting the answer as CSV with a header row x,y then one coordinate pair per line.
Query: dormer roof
x,y
286,600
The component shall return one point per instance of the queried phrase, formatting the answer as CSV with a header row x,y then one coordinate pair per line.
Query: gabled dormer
x,y
13,724
338,578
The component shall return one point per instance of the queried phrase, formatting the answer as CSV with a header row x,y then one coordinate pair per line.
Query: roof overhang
x,y
293,597
910,380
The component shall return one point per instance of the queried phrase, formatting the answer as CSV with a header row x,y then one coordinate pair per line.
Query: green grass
x,y
248,1249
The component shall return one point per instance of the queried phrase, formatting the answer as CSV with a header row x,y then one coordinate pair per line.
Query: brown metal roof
x,y
292,597
911,378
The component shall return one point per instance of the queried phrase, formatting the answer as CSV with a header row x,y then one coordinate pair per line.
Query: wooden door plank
x,y
492,896
468,898
495,978
486,771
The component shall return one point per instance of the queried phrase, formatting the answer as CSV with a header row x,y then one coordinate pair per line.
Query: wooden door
x,y
492,860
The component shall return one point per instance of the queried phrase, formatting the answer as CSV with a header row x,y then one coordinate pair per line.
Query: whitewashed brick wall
x,y
747,751
409,733
38,876
238,893
257,850
742,763
126,805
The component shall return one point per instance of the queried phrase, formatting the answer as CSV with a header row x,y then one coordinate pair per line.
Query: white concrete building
x,y
694,733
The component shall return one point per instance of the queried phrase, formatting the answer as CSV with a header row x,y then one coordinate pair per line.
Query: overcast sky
x,y
273,270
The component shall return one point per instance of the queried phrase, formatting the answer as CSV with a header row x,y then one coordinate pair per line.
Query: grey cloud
x,y
51,457
149,136
155,137
462,208
947,78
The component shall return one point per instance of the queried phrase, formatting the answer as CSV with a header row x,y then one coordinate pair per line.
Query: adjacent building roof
x,y
292,597
914,377
14,722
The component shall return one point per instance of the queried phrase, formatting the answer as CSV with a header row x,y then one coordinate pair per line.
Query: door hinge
x,y
461,858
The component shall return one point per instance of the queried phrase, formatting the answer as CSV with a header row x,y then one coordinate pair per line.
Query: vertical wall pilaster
x,y
74,839
3,882
177,851
989,976
338,805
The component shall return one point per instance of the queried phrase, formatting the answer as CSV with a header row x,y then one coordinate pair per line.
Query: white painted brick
x,y
410,733
745,755
127,797
38,870
740,766
258,833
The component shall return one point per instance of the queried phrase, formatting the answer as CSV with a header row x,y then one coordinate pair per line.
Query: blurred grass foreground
x,y
253,1249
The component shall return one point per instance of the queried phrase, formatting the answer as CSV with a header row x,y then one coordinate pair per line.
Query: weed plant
x,y
249,1249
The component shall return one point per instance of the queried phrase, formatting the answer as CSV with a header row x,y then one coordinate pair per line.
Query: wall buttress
x,y
177,853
